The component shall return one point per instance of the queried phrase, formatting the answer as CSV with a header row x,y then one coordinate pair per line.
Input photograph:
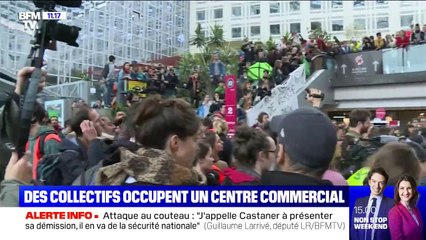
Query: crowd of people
x,y
297,51
159,80
163,142
254,82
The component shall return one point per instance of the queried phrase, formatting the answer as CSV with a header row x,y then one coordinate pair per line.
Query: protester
x,y
305,150
42,140
83,151
213,139
356,150
221,128
203,165
397,159
167,133
157,142
254,152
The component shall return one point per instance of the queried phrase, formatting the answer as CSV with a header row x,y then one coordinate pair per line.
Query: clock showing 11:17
x,y
54,15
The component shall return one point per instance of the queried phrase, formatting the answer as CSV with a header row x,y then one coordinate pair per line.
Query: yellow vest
x,y
357,179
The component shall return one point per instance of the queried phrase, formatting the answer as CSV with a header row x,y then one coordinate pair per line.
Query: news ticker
x,y
299,212
190,222
107,196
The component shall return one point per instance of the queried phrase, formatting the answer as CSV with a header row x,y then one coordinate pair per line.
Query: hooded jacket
x,y
75,158
146,166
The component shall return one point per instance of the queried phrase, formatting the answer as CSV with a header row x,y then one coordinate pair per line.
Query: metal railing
x,y
75,90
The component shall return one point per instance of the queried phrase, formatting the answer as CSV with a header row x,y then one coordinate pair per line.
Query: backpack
x,y
356,154
50,169
105,71
39,148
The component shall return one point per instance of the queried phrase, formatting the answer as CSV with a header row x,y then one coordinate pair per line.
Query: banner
x,y
231,103
132,85
283,98
353,66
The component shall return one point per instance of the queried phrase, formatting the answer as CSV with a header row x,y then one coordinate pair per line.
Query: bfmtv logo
x,y
359,60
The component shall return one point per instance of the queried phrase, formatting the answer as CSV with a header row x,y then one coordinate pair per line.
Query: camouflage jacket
x,y
355,151
146,166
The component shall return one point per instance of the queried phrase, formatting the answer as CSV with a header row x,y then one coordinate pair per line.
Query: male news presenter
x,y
374,206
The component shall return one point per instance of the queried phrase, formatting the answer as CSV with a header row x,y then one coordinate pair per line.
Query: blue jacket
x,y
221,68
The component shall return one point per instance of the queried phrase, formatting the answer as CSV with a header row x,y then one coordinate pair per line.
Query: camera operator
x,y
18,172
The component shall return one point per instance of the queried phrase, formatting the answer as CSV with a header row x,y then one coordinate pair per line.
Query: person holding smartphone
x,y
405,222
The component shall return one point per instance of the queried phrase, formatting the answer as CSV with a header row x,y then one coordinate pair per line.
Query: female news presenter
x,y
405,222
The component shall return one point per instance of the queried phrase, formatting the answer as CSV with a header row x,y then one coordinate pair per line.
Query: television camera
x,y
19,116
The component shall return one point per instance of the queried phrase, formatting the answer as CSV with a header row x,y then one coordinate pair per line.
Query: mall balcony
x,y
394,79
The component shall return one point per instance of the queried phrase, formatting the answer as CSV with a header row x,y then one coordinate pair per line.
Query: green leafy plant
x,y
207,47
315,33
270,44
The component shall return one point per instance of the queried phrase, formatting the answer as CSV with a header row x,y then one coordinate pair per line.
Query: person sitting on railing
x,y
321,44
390,41
379,42
334,49
345,49
402,40
417,36
367,44
356,46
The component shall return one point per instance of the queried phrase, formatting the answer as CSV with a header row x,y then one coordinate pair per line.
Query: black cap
x,y
308,136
